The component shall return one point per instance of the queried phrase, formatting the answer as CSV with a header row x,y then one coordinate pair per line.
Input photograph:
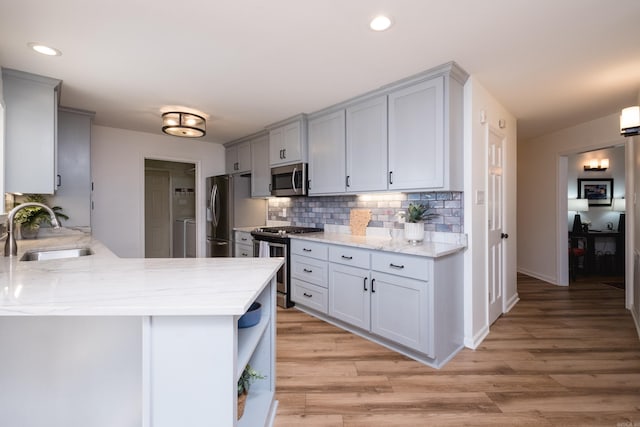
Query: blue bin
x,y
251,317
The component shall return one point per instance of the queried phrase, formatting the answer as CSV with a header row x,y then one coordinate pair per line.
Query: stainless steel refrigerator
x,y
229,205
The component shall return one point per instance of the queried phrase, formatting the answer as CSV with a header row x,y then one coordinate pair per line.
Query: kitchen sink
x,y
43,255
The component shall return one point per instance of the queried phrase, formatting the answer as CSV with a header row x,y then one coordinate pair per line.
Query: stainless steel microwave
x,y
289,180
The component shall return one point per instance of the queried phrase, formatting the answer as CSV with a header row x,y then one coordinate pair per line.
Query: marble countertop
x,y
104,285
429,249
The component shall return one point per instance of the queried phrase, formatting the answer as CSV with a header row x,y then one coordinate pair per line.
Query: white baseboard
x,y
476,340
543,277
636,320
511,303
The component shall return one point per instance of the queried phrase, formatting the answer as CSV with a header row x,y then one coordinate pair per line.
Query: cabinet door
x,y
285,144
416,136
349,295
74,167
401,310
238,158
244,157
231,159
31,130
366,161
260,169
327,154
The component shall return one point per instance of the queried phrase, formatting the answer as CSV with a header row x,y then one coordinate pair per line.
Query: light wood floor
x,y
562,356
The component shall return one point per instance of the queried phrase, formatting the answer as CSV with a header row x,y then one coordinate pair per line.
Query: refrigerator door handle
x,y
215,205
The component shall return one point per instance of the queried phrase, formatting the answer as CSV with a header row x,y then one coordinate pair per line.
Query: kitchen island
x,y
102,341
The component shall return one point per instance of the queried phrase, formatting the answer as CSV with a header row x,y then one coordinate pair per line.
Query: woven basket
x,y
242,400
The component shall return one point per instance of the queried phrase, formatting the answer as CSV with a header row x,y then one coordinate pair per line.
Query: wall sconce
x,y
597,165
630,121
577,205
187,125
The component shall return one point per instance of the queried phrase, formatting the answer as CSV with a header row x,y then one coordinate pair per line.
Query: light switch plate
x,y
479,197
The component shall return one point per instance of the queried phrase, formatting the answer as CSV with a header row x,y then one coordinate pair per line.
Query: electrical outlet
x,y
284,212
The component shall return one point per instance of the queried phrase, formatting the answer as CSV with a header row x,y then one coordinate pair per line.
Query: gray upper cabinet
x,y
238,158
260,169
327,153
366,148
31,103
288,141
426,131
74,166
416,136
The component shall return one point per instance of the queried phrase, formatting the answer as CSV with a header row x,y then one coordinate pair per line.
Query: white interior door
x,y
495,215
157,232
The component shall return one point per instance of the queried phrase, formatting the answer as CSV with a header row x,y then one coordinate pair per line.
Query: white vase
x,y
414,231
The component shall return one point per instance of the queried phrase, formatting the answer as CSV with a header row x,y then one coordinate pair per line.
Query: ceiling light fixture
x,y
380,23
630,121
43,49
183,124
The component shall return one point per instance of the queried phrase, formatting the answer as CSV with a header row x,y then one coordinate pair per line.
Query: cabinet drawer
x,y
244,237
414,267
309,269
243,251
309,295
349,256
309,249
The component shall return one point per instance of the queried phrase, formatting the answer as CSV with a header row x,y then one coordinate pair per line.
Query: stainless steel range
x,y
274,242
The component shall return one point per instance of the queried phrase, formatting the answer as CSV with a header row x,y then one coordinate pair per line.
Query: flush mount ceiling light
x,y
187,125
380,23
630,121
44,49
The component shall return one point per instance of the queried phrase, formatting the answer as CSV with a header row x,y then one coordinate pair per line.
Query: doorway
x,y
597,228
170,189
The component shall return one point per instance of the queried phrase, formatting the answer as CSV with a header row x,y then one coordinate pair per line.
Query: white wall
x,y
478,100
538,172
2,132
117,167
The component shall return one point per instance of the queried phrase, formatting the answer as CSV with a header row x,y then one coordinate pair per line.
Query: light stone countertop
x,y
104,285
429,249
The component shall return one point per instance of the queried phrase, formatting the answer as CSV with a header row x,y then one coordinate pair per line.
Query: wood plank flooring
x,y
561,357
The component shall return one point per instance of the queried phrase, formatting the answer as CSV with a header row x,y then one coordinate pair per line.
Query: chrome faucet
x,y
10,246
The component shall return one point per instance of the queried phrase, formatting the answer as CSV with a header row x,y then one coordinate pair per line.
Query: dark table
x,y
601,263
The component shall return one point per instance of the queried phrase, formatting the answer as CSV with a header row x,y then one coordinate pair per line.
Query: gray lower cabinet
x,y
309,270
243,246
412,304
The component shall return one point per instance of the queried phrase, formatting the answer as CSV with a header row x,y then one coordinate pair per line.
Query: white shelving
x,y
248,339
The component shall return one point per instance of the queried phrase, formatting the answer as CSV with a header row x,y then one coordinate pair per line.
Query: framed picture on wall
x,y
599,192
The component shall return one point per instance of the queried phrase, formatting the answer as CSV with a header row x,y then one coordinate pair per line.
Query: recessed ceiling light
x,y
43,49
380,23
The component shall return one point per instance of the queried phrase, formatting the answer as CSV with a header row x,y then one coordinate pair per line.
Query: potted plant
x,y
414,217
31,217
249,375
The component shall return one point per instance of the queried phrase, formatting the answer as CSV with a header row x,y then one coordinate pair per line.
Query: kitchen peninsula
x,y
101,341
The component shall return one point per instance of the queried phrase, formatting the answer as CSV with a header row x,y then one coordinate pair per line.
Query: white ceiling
x,y
249,63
